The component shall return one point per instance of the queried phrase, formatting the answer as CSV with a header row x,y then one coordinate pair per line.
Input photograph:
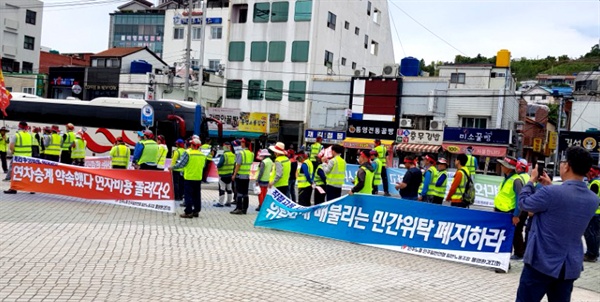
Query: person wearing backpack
x,y
506,201
461,184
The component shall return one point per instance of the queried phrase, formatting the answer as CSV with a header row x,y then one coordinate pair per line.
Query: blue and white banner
x,y
454,234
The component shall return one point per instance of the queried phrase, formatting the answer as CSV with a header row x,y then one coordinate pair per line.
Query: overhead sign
x,y
477,136
423,137
537,144
147,116
372,129
329,137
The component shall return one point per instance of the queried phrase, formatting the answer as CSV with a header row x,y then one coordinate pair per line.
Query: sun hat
x,y
278,148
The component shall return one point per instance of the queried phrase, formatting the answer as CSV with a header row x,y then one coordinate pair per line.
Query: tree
x,y
594,52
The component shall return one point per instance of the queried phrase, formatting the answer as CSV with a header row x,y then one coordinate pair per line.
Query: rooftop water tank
x,y
140,67
503,58
410,67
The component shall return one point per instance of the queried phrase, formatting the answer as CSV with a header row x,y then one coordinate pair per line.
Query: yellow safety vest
x,y
3,144
314,151
195,165
79,151
525,177
119,155
377,180
461,187
506,200
207,147
471,164
268,163
441,190
247,160
337,175
596,181
66,144
318,180
176,155
24,141
228,163
162,155
302,181
287,166
381,153
150,152
434,173
368,187
54,146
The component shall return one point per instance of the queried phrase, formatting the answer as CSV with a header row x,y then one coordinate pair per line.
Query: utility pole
x,y
202,41
560,111
188,49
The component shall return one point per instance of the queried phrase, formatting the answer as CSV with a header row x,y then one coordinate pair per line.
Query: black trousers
x,y
437,200
35,151
243,200
79,162
285,190
384,180
65,157
119,167
54,158
320,198
193,196
3,159
304,195
148,167
518,240
333,192
178,185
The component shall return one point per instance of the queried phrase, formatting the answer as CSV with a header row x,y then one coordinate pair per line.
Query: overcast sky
x,y
527,28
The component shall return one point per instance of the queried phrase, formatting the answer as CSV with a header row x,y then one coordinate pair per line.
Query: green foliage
x,y
553,113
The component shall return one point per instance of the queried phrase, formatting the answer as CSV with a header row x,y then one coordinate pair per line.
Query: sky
x,y
430,30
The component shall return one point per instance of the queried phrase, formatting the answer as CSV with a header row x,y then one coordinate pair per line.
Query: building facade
x,y
20,35
277,48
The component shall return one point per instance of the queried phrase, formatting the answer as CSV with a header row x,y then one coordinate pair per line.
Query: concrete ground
x,y
63,249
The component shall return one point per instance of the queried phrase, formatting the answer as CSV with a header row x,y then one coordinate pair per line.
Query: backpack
x,y
468,196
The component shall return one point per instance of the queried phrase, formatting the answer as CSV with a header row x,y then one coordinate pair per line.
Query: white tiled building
x,y
20,35
277,48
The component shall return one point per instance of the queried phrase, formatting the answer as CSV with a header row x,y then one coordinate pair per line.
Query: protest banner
x,y
151,190
454,234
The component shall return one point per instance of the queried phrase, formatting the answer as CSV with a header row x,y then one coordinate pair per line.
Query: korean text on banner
x,y
253,122
135,188
448,233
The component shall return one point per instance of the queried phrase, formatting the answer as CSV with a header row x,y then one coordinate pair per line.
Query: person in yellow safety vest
x,y
280,177
178,181
335,170
378,167
20,145
53,150
78,150
426,190
440,181
315,149
225,169
192,162
4,148
263,175
162,152
305,179
119,154
67,141
382,155
320,180
145,153
365,175
459,183
506,201
592,232
472,163
206,148
36,148
241,174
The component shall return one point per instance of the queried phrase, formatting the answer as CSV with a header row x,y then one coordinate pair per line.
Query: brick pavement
x,y
56,248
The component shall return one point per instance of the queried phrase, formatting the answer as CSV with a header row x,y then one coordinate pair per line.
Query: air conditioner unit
x,y
437,125
390,70
405,123
358,73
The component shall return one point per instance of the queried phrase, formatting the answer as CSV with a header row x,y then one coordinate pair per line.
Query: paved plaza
x,y
64,249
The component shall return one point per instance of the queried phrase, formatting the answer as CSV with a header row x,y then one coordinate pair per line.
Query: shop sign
x,y
588,140
422,137
537,144
229,117
196,20
552,140
329,137
101,87
489,151
372,129
477,135
59,81
273,122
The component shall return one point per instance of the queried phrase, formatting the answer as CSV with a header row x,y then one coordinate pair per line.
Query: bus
x,y
104,119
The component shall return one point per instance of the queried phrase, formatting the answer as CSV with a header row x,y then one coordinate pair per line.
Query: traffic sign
x,y
147,116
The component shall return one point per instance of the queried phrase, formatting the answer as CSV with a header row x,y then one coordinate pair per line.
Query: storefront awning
x,y
479,150
406,147
235,134
364,143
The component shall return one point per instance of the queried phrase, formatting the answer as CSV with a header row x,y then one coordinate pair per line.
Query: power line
x,y
70,4
398,36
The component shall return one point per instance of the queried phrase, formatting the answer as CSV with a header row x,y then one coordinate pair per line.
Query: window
x,y
112,63
214,65
328,59
234,89
303,10
353,65
99,63
27,67
543,96
262,10
474,122
366,42
343,61
531,110
374,48
274,91
347,25
216,32
30,90
376,16
532,98
457,78
331,20
195,63
280,11
356,31
239,13
196,33
255,90
258,51
29,43
300,51
236,51
177,33
30,17
297,91
276,51
368,8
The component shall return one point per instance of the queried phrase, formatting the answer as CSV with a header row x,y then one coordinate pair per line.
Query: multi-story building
x,y
555,80
20,35
277,48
